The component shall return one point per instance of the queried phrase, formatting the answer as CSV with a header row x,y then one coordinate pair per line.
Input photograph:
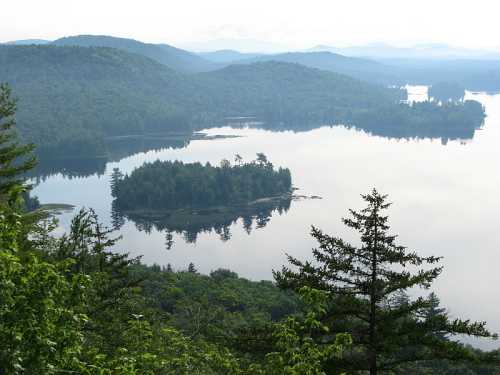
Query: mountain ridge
x,y
173,57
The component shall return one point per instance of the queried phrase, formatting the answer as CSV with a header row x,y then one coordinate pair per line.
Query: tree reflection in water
x,y
190,223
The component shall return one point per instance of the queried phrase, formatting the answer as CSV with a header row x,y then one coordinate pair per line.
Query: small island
x,y
164,186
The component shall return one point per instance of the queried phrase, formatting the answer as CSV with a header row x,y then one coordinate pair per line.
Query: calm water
x,y
446,202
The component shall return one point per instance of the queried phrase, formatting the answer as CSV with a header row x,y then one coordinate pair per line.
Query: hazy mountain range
x,y
381,64
25,42
421,51
230,50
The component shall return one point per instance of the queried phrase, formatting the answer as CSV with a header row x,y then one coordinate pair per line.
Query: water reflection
x,y
68,167
119,149
444,135
190,223
116,149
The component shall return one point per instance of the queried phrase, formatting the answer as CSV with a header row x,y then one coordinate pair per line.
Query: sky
x,y
287,24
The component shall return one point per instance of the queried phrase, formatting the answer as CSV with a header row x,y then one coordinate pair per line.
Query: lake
x,y
445,193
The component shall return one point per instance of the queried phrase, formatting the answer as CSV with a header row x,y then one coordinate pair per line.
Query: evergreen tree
x,y
15,159
192,268
362,281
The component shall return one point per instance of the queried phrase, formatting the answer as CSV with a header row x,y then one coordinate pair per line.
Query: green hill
x,y
68,95
285,92
175,58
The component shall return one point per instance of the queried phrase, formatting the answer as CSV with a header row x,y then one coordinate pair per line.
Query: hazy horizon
x,y
249,45
290,25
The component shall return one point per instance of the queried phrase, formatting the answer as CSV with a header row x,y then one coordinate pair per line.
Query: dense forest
x,y
167,185
71,98
292,93
69,304
424,119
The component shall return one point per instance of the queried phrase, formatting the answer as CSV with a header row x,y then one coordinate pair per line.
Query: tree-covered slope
x,y
286,92
175,58
69,94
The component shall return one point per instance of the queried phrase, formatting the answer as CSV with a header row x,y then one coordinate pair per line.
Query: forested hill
x,y
67,95
175,58
285,92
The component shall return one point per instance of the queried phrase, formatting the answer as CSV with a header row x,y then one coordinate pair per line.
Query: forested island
x,y
171,185
71,304
447,120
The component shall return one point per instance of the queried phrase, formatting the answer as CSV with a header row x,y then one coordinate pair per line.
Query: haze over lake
x,y
445,195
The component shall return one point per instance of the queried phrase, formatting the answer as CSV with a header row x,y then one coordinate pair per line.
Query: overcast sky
x,y
290,23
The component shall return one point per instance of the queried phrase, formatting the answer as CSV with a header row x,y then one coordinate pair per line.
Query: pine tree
x,y
362,282
192,268
15,159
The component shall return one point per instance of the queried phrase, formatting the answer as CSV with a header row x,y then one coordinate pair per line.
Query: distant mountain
x,y
245,45
227,56
420,51
360,68
24,42
175,58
